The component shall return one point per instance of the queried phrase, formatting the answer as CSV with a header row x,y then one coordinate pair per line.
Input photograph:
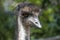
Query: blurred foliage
x,y
49,18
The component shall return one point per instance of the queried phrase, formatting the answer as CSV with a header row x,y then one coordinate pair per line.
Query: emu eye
x,y
26,14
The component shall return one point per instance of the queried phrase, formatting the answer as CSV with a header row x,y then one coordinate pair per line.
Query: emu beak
x,y
35,21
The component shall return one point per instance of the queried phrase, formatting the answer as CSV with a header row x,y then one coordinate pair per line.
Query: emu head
x,y
29,14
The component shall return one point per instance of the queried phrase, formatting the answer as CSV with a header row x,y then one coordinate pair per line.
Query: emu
x,y
26,16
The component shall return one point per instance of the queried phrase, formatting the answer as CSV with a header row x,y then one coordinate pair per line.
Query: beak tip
x,y
40,26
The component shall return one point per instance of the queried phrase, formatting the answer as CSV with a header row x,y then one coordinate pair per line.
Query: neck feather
x,y
21,30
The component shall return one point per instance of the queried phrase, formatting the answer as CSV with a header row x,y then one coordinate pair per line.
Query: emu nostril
x,y
36,22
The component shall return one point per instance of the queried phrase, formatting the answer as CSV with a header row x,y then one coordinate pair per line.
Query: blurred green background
x,y
49,18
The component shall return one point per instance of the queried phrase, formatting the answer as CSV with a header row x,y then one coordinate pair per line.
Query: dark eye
x,y
26,14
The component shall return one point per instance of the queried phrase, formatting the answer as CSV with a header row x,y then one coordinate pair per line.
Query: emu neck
x,y
28,32
21,30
